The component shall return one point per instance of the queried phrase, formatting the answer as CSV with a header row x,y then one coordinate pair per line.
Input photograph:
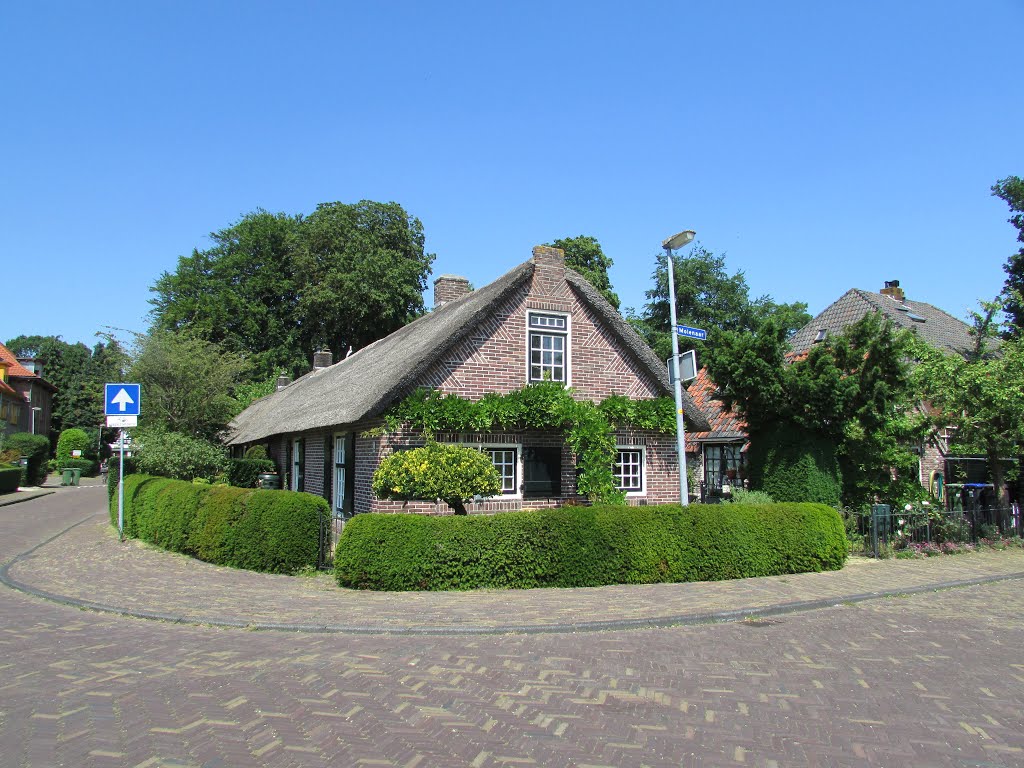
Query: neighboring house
x,y
718,455
540,321
31,409
938,328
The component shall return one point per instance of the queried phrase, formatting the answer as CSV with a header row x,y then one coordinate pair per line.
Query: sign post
x,y
121,407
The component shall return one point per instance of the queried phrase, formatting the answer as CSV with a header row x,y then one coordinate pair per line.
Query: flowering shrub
x,y
452,473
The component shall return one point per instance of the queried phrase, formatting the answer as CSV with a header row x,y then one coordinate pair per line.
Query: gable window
x,y
629,469
506,461
549,347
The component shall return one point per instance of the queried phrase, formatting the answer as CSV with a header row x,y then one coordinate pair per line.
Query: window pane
x,y
629,470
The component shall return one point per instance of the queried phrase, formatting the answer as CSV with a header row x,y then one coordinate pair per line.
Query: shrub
x,y
793,466
113,475
256,452
452,473
178,456
588,546
244,473
273,531
743,496
71,440
10,478
35,448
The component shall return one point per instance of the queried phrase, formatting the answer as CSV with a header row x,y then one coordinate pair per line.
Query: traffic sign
x,y
122,400
122,421
691,333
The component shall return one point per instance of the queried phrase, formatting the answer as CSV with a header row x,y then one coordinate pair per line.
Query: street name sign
x,y
691,333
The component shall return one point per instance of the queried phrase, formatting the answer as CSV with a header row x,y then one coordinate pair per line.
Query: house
x,y
540,321
938,328
716,454
29,408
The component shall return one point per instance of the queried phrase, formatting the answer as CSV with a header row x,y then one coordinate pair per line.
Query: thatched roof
x,y
369,381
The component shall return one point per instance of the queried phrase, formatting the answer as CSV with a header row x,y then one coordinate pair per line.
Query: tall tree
x,y
275,286
708,297
242,293
361,271
187,383
585,255
1011,190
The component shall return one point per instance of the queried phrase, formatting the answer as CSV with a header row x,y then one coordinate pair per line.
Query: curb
x,y
658,622
19,497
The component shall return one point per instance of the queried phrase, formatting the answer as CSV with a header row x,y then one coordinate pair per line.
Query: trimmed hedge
x,y
791,465
588,546
244,473
273,531
10,479
35,448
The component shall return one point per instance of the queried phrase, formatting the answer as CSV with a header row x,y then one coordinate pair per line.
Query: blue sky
x,y
821,146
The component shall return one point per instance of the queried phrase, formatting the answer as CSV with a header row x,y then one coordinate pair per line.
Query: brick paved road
x,y
929,680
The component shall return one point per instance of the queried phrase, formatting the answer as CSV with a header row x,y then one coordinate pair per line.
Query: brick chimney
x,y
548,256
283,381
322,358
892,288
449,288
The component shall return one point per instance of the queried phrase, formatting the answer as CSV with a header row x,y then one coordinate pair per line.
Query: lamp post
x,y
35,410
673,243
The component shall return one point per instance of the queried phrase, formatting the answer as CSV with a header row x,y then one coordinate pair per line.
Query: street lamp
x,y
35,408
671,244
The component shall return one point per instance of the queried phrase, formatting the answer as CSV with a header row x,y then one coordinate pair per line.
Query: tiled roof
x,y
725,424
938,328
16,368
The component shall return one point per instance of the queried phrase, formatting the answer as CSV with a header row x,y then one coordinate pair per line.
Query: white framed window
x,y
548,347
629,468
506,461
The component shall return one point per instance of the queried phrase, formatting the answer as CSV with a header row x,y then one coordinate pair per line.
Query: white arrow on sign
x,y
122,399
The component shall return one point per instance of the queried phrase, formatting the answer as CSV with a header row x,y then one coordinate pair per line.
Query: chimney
x,y
283,381
322,358
449,288
548,256
892,288
32,365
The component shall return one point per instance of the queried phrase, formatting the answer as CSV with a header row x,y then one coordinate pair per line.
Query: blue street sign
x,y
693,333
122,400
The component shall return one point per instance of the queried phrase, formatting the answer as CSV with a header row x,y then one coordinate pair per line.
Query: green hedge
x,y
588,546
35,448
10,479
243,473
791,465
274,531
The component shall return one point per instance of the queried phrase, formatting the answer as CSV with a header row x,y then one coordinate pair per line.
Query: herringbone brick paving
x,y
934,679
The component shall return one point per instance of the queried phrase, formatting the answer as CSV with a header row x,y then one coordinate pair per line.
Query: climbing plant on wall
x,y
589,428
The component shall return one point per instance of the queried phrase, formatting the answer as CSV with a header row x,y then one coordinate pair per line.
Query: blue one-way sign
x,y
122,400
693,333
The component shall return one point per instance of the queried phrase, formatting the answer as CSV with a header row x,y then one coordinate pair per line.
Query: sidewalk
x,y
87,566
51,485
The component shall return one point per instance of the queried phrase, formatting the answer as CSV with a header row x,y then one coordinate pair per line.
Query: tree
x,y
361,271
853,390
584,255
1011,190
708,297
242,293
274,287
981,395
452,473
186,383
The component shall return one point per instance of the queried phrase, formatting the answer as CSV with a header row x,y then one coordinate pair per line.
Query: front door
x,y
342,466
298,465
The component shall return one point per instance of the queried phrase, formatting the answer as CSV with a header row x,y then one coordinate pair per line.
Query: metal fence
x,y
884,528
